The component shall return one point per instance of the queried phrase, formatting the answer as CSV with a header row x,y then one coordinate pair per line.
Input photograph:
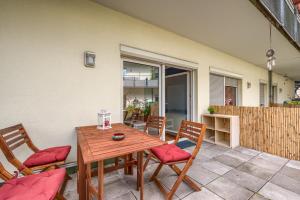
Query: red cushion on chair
x,y
43,186
48,156
170,153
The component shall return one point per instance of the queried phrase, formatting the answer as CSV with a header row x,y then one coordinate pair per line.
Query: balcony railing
x,y
286,15
140,82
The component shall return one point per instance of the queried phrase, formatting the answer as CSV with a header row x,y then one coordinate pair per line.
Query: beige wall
x,y
44,84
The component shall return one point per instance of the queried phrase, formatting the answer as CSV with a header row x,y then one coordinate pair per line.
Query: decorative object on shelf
x,y
248,85
89,59
118,136
211,110
270,53
104,120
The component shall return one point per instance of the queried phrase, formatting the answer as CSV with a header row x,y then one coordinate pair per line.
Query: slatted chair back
x,y
10,139
5,175
193,131
135,114
156,122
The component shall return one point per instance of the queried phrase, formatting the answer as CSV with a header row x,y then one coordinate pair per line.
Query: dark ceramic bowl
x,y
118,136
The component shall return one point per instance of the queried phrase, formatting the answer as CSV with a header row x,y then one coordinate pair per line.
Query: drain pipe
x,y
270,87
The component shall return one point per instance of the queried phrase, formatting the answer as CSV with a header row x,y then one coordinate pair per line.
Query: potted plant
x,y
211,110
147,111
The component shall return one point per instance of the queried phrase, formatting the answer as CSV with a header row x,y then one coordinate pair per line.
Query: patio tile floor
x,y
223,173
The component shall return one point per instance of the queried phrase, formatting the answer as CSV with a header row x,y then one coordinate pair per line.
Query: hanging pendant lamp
x,y
271,59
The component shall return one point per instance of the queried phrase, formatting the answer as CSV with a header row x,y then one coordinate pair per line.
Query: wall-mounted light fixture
x,y
248,85
280,90
89,59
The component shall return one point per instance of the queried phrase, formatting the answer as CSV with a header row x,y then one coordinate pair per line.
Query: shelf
x,y
210,136
223,124
209,121
222,138
223,130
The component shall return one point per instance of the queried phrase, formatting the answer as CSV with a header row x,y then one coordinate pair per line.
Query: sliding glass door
x,y
156,89
177,98
141,92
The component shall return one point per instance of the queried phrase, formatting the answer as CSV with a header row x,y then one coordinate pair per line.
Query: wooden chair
x,y
170,154
16,136
158,123
43,186
155,122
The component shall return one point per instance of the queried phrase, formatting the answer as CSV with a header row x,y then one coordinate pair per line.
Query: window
x,y
224,90
262,94
274,92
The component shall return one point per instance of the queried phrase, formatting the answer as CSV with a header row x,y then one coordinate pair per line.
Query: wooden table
x,y
95,145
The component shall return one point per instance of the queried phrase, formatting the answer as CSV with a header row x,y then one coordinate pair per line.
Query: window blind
x,y
216,88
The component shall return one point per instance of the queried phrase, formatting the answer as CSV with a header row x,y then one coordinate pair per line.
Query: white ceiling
x,y
233,26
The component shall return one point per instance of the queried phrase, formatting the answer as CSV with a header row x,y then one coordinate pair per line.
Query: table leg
x,y
88,181
140,156
130,168
100,180
82,187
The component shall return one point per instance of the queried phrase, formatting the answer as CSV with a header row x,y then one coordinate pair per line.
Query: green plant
x,y
293,102
211,110
147,109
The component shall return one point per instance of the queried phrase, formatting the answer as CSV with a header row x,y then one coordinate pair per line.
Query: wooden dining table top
x,y
97,144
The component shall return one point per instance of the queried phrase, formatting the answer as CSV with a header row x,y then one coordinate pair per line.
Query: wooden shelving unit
x,y
222,129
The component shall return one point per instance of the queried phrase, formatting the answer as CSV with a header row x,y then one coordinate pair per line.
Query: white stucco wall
x,y
43,82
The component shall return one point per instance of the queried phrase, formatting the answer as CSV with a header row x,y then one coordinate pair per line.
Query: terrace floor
x,y
223,173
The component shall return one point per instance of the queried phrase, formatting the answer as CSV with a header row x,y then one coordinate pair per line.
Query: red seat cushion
x,y
48,156
170,153
43,186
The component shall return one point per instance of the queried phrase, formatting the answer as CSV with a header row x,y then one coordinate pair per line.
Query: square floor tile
x,y
202,158
204,194
274,192
245,180
127,196
286,182
228,160
258,197
151,192
182,191
291,172
274,159
216,167
229,190
239,155
267,164
257,171
212,151
201,175
294,164
250,152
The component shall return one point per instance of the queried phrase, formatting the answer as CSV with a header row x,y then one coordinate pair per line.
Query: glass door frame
x,y
137,61
188,95
192,87
191,92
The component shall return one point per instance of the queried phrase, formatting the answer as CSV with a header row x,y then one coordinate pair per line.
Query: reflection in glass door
x,y
177,101
141,92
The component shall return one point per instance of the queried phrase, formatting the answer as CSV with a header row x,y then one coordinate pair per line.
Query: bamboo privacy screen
x,y
274,130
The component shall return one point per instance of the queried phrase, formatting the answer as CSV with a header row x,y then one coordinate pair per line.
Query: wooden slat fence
x,y
274,130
